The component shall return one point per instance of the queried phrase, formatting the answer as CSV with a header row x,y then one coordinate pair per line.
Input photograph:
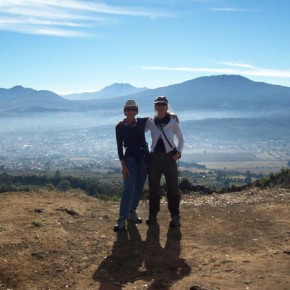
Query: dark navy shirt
x,y
130,136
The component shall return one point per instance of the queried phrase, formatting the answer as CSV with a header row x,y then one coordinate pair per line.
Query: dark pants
x,y
163,163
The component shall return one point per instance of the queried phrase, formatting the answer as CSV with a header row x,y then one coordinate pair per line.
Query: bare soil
x,y
53,240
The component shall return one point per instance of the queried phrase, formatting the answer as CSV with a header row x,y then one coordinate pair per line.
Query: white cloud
x,y
228,9
236,64
57,32
77,5
37,16
241,69
203,1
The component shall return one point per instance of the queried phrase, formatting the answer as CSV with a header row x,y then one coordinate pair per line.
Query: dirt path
x,y
52,240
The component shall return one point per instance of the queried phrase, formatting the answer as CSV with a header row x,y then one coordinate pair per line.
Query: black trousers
x,y
163,163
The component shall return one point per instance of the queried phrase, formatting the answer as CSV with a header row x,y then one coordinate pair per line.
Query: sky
x,y
73,46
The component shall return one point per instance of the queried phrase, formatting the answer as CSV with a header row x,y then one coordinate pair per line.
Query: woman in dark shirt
x,y
130,134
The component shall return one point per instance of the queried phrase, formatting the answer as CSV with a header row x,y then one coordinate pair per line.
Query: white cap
x,y
130,103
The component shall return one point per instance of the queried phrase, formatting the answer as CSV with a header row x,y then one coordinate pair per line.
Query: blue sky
x,y
71,46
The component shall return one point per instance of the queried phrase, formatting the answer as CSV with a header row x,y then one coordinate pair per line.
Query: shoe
x,y
175,221
121,224
133,217
151,220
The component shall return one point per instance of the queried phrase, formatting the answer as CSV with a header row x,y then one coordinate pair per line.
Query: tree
x,y
64,185
57,177
185,184
50,187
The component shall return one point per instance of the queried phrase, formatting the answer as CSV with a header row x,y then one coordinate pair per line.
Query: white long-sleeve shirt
x,y
171,130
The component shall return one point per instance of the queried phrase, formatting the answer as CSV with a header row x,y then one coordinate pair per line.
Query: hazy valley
x,y
228,122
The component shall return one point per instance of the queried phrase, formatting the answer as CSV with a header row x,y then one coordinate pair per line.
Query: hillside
x,y
54,240
23,99
221,92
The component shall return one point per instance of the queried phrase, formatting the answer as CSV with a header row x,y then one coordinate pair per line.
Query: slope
x,y
53,240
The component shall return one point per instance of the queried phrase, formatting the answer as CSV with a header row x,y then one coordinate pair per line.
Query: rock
x,y
197,287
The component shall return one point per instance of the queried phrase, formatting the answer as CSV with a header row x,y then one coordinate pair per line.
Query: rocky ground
x,y
53,240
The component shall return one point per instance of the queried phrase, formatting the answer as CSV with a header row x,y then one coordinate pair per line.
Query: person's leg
x,y
155,172
141,176
129,186
173,194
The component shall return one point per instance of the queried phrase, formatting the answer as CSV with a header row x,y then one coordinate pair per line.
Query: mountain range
x,y
220,92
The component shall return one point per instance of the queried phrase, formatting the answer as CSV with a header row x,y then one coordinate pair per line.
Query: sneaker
x,y
151,220
121,224
133,217
175,221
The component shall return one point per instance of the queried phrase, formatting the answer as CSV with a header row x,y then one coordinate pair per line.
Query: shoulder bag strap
x,y
165,136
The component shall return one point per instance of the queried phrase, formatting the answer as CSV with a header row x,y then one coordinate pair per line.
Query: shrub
x,y
64,185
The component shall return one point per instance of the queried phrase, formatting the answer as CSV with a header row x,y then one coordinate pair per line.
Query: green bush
x,y
64,185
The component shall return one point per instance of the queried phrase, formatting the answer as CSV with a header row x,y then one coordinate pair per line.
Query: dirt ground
x,y
52,240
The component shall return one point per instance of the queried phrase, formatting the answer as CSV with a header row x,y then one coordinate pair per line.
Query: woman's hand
x,y
125,171
176,156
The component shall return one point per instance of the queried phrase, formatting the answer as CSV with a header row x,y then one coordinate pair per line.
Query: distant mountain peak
x,y
122,86
111,91
221,78
17,88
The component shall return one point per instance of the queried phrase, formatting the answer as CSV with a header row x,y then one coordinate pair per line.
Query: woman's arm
x,y
179,136
119,139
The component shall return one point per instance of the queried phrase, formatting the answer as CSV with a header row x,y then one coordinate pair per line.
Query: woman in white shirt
x,y
164,154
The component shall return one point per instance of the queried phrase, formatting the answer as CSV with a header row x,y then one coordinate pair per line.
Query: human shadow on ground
x,y
163,265
133,259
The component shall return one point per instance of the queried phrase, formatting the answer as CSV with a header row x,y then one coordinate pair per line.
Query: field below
x,y
260,162
264,167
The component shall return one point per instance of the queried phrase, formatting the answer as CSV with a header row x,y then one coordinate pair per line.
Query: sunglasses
x,y
131,109
161,104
